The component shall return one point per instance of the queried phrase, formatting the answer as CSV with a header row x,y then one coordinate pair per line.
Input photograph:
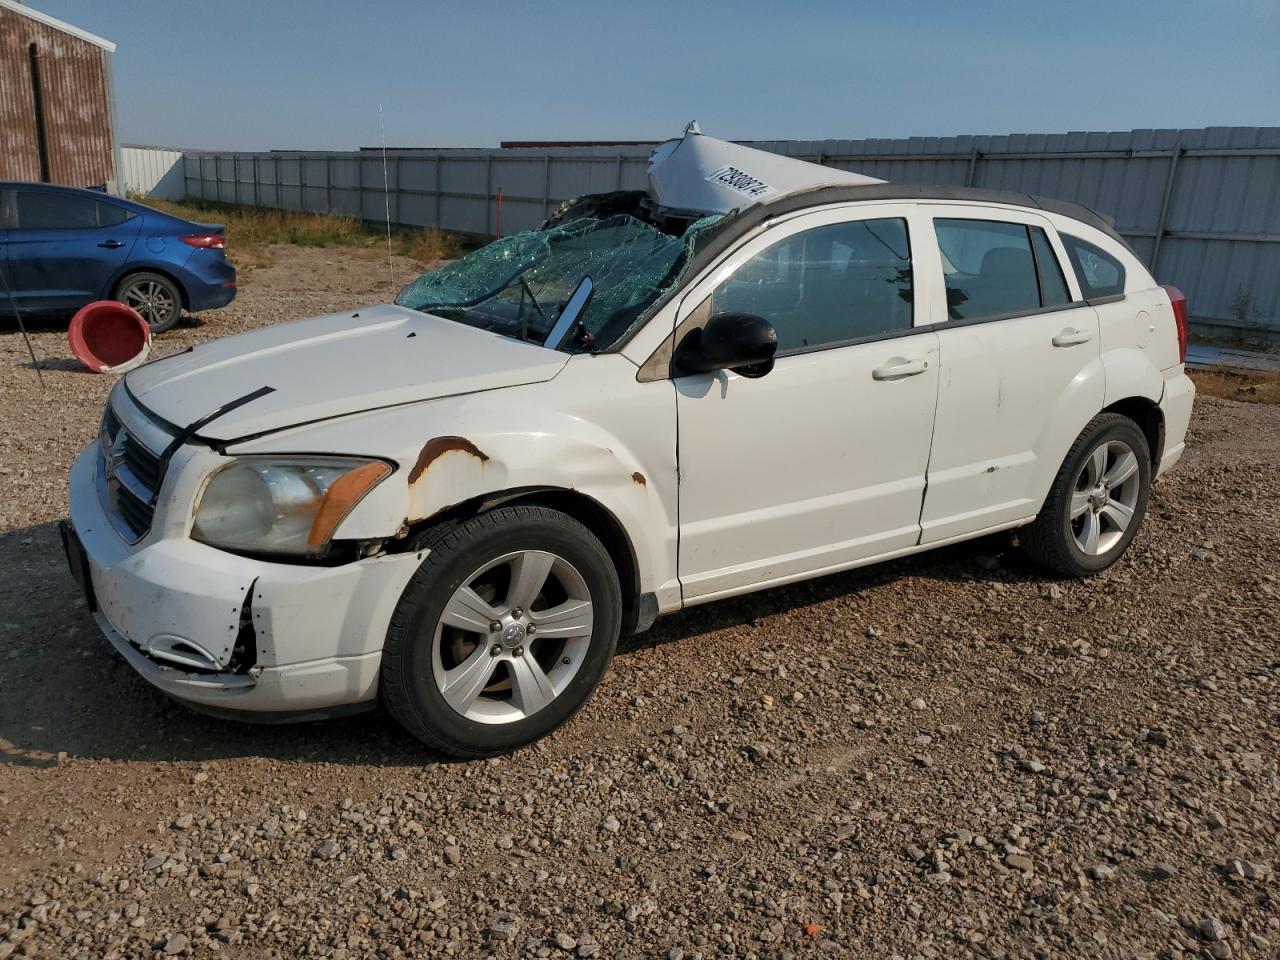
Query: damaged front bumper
x,y
226,633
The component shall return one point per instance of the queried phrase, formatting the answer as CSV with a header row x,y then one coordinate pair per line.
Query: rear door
x,y
819,464
1021,370
66,246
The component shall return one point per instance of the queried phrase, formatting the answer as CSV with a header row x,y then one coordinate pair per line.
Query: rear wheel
x,y
1097,502
156,298
503,633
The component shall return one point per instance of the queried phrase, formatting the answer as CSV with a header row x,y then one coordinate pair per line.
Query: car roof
x,y
157,216
721,236
62,188
740,222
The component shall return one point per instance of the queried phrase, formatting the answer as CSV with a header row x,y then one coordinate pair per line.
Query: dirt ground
x,y
953,755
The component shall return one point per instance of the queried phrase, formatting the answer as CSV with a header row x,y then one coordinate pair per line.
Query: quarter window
x,y
829,285
1099,273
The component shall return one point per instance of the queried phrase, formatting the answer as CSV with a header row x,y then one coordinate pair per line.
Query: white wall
x,y
154,172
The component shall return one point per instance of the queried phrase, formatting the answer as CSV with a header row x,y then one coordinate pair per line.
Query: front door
x,y
820,463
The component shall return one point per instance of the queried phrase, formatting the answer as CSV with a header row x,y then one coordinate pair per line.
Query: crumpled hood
x,y
333,365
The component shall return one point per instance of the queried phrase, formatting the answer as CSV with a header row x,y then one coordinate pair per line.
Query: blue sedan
x,y
61,248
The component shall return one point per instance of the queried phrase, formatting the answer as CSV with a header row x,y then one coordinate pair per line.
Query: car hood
x,y
328,366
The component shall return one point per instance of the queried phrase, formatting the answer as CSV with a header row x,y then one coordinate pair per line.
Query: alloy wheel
x,y
1104,497
512,637
153,301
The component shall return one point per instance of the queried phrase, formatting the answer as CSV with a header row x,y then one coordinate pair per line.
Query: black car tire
x,y
1052,538
408,686
156,298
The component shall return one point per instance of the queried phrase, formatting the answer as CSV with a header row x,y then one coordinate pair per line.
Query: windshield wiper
x,y
524,323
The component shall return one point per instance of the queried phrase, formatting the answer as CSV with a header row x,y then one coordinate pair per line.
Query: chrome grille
x,y
132,474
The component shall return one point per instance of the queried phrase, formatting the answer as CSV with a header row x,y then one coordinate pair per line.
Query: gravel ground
x,y
953,755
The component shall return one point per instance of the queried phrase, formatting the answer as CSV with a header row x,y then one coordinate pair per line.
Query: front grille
x,y
144,464
133,474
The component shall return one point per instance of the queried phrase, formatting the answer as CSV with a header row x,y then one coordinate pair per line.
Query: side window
x,y
988,268
1053,285
1100,274
47,210
109,214
827,285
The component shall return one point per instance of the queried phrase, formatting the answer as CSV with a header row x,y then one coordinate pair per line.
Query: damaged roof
x,y
698,175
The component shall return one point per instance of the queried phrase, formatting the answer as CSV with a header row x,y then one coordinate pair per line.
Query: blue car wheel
x,y
155,297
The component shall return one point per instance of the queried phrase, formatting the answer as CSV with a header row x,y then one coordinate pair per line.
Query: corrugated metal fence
x,y
153,172
1203,206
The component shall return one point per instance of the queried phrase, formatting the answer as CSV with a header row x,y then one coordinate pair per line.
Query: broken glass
x,y
517,286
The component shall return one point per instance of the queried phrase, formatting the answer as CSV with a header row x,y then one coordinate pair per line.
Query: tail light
x,y
205,241
1178,300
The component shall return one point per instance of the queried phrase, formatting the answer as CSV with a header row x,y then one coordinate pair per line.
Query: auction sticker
x,y
741,182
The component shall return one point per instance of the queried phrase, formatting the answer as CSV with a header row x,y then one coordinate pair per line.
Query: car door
x,y
6,218
65,247
1021,372
820,463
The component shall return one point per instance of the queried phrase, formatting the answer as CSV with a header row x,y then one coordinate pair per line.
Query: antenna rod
x,y
386,197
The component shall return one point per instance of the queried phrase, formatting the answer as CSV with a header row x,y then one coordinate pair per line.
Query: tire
x,y
1104,480
497,699
157,298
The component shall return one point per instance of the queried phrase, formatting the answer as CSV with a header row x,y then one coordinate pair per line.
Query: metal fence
x,y
153,172
1202,207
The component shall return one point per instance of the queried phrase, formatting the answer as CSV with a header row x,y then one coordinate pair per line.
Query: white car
x,y
453,505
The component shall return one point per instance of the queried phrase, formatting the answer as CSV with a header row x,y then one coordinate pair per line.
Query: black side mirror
x,y
741,342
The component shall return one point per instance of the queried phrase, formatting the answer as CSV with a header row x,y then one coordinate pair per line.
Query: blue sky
x,y
258,75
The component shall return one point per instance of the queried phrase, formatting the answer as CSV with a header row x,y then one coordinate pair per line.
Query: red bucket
x,y
109,337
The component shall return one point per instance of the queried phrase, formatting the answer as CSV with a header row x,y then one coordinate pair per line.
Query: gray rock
x,y
1018,861
176,944
1212,928
503,926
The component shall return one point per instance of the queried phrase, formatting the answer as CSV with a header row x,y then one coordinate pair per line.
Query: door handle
x,y
111,244
899,368
1070,337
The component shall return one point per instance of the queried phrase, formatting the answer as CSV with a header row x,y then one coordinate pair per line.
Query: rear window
x,y
48,210
1100,274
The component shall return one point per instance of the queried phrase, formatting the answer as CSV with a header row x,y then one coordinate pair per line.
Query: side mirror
x,y
741,342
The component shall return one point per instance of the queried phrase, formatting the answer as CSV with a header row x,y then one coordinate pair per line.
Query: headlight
x,y
282,504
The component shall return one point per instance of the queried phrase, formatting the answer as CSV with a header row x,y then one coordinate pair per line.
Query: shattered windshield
x,y
517,286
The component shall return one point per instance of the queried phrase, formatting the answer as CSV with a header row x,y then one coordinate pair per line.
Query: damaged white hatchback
x,y
756,371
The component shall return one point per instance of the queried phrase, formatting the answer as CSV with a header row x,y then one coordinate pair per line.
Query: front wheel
x,y
1097,501
503,633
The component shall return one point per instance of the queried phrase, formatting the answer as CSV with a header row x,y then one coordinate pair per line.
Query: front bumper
x,y
317,632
